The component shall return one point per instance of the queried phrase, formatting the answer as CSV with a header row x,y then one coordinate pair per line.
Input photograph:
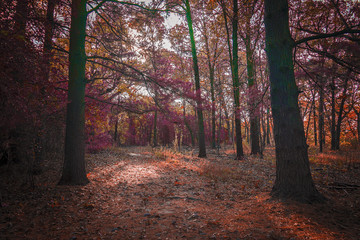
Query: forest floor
x,y
144,193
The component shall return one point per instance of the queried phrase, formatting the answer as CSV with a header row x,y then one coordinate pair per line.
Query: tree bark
x,y
223,105
233,56
236,85
268,126
21,17
155,128
213,108
253,98
74,172
321,115
49,32
358,126
211,65
116,132
293,178
333,116
315,130
202,146
340,115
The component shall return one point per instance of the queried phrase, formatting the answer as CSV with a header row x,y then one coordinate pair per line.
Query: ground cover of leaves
x,y
144,193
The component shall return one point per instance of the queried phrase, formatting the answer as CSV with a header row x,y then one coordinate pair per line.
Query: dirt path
x,y
137,193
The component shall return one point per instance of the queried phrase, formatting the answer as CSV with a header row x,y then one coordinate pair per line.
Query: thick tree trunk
x,y
293,177
202,146
74,165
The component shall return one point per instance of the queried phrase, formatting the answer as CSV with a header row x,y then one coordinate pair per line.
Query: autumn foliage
x,y
176,74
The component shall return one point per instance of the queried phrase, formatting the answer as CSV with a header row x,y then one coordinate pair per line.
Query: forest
x,y
180,119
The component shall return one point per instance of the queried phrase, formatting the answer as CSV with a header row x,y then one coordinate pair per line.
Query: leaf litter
x,y
144,193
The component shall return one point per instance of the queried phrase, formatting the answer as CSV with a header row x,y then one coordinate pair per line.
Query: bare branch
x,y
326,35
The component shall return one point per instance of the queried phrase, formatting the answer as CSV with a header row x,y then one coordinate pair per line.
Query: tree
x,y
202,147
293,176
212,57
250,36
151,31
74,163
236,85
234,65
49,32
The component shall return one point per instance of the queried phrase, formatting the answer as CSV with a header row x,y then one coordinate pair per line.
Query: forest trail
x,y
141,193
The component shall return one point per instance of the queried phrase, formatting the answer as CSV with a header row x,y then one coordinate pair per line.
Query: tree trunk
x,y
321,116
253,98
358,127
235,74
74,165
213,109
49,32
268,126
333,116
340,115
21,17
315,130
247,134
308,123
155,128
219,129
191,133
116,132
202,147
211,65
222,103
233,56
293,177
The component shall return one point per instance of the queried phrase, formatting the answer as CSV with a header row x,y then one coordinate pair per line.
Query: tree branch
x,y
326,35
